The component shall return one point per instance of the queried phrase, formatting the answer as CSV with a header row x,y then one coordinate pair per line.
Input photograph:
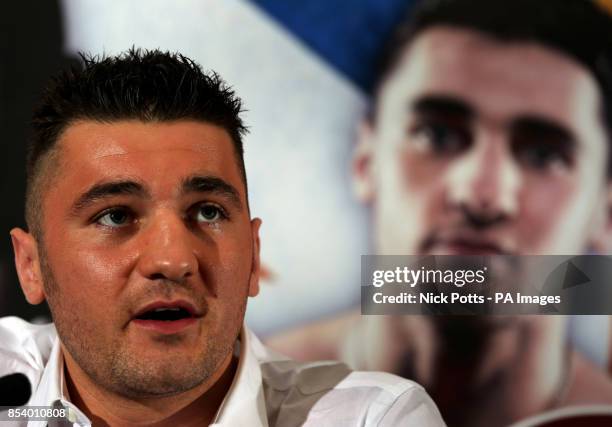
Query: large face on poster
x,y
470,151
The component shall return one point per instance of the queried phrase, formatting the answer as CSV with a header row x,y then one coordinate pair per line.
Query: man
x,y
141,241
490,134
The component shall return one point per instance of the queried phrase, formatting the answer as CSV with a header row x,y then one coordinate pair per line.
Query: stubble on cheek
x,y
79,335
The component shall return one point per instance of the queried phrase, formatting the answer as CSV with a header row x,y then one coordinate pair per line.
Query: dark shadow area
x,y
31,50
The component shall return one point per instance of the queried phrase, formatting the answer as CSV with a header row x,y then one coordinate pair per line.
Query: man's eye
x,y
209,213
541,157
115,218
439,138
542,146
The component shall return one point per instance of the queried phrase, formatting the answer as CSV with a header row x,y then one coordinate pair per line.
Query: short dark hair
x,y
145,85
580,29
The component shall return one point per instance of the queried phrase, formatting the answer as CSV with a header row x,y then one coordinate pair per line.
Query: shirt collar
x,y
52,390
244,403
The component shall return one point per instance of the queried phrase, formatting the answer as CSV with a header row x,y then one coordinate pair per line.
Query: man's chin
x,y
159,378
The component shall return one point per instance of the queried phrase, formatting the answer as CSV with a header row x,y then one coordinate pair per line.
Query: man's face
x,y
146,216
480,146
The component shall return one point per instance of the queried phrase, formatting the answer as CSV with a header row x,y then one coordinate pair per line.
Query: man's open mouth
x,y
167,317
165,314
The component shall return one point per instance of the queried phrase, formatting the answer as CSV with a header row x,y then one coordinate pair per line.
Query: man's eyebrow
x,y
544,128
442,104
106,189
211,184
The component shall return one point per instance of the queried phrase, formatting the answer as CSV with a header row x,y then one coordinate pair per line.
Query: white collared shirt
x,y
268,389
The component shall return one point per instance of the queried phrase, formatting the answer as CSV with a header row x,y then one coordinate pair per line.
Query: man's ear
x,y
601,239
27,264
256,265
362,165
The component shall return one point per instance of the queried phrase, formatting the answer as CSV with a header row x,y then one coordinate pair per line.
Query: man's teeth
x,y
157,310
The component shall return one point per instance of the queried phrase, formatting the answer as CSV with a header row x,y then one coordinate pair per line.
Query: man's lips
x,y
164,326
167,317
159,305
465,246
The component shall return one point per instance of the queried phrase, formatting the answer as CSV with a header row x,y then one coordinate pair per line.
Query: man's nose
x,y
485,182
168,251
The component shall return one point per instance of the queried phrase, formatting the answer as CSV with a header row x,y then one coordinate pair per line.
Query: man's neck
x,y
519,366
197,406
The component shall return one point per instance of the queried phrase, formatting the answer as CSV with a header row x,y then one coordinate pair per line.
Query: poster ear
x,y
363,163
601,240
